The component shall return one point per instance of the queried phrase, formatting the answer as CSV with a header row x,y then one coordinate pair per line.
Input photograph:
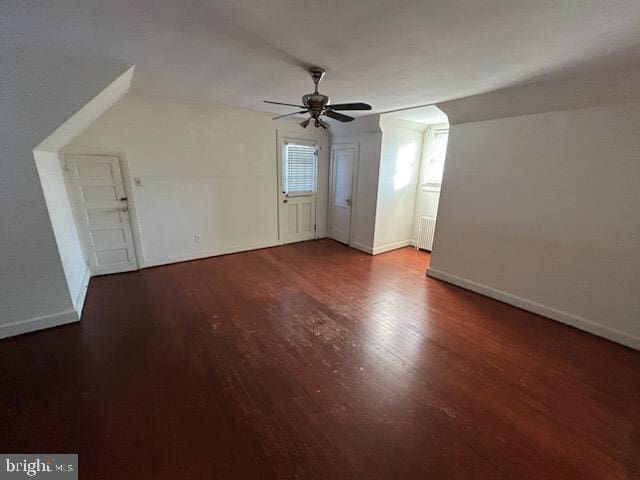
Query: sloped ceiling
x,y
428,115
392,54
39,89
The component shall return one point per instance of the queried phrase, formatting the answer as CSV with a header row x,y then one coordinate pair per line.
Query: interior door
x,y
297,166
343,165
102,209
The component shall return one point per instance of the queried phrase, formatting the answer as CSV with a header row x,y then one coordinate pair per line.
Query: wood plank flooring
x,y
316,361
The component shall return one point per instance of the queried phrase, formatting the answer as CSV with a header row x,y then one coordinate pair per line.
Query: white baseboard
x,y
154,262
78,305
391,246
362,247
38,323
571,319
381,249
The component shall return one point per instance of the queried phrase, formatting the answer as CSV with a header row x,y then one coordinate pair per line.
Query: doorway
x,y
410,213
101,208
344,160
297,186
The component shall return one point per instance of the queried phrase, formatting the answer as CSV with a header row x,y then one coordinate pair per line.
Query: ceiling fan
x,y
318,105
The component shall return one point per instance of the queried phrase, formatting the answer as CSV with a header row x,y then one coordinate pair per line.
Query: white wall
x,y
40,89
542,211
398,178
205,169
365,132
75,267
427,196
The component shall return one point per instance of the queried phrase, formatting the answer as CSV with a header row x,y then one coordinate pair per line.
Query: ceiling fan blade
x,y
289,114
287,104
350,106
338,116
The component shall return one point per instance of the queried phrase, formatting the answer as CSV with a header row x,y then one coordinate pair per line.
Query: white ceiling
x,y
392,54
429,115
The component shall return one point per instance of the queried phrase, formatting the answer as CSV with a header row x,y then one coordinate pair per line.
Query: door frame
x,y
354,185
134,218
292,137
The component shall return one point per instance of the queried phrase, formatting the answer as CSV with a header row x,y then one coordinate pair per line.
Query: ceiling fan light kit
x,y
318,105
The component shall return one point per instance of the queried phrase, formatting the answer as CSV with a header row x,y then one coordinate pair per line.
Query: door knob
x,y
348,201
285,200
123,199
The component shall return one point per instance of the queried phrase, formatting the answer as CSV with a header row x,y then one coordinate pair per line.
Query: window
x,y
299,169
435,162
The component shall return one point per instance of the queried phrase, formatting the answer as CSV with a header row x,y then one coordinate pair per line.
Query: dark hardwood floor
x,y
315,361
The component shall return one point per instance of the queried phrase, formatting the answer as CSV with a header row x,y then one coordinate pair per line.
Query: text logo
x,y
46,467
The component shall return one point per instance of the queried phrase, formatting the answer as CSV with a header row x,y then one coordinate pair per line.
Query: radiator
x,y
425,233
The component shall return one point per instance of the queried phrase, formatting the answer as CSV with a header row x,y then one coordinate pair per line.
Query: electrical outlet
x,y
197,238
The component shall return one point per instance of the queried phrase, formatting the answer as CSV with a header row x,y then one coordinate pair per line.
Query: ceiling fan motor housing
x,y
315,101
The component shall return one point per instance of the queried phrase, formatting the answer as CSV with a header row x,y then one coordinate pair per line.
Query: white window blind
x,y
300,169
435,167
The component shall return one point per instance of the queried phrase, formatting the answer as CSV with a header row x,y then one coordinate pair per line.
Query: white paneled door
x,y
297,166
343,167
102,209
